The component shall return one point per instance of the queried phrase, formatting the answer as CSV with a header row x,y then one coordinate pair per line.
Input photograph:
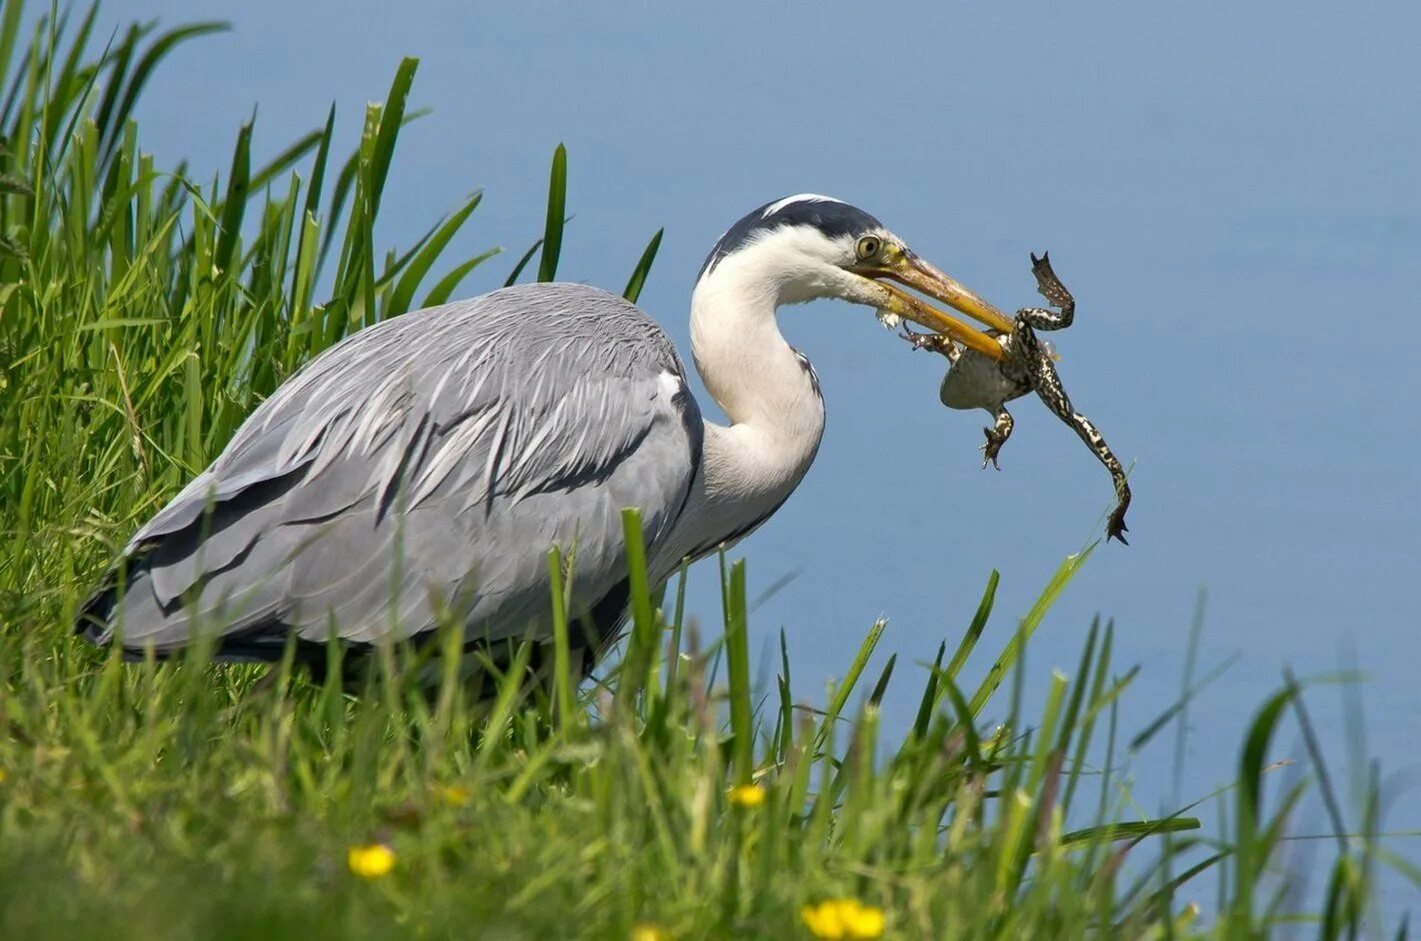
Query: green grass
x,y
143,314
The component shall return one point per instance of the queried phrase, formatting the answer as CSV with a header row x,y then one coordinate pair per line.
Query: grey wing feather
x,y
425,464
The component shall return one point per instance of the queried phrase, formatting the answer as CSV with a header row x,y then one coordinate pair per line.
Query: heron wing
x,y
425,465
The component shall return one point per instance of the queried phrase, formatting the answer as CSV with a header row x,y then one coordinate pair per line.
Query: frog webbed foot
x,y
996,437
932,342
1115,526
1047,284
1051,288
991,449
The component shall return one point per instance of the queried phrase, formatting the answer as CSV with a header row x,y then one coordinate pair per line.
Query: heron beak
x,y
917,274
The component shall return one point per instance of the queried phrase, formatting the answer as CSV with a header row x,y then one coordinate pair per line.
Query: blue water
x,y
1229,190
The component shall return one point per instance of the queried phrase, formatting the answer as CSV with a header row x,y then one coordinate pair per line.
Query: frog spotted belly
x,y
977,381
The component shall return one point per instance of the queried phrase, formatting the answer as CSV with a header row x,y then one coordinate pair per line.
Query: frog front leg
x,y
933,342
997,436
1051,288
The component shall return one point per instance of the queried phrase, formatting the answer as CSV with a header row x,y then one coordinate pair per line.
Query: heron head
x,y
807,246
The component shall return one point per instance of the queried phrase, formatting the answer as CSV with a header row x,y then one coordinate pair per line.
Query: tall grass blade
x,y
928,704
522,263
441,291
641,650
975,628
418,266
392,118
143,72
564,694
234,203
643,267
737,655
1252,842
850,680
1029,624
557,206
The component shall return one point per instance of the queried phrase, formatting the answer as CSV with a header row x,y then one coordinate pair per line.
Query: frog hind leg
x,y
1051,288
1048,387
997,436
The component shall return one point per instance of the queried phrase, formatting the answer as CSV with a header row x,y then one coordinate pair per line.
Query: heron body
x,y
422,468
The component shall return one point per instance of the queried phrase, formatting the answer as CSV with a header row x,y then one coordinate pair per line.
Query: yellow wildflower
x,y
455,795
747,795
649,933
2,775
372,861
843,918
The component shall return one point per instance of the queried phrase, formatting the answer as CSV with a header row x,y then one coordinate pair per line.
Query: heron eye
x,y
868,247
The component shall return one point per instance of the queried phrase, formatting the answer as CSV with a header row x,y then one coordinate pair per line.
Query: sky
x,y
1229,190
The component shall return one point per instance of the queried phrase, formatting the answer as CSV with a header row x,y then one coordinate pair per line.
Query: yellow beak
x,y
917,274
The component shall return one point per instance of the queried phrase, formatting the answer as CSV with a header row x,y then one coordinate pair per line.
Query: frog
x,y
975,380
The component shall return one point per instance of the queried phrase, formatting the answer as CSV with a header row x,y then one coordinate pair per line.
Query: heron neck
x,y
770,396
755,377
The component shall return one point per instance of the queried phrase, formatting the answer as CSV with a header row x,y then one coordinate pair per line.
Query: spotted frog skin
x,y
977,381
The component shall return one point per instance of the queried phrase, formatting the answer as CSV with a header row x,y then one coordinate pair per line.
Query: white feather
x,y
779,204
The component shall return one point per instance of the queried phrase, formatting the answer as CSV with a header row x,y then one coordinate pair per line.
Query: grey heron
x,y
423,467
